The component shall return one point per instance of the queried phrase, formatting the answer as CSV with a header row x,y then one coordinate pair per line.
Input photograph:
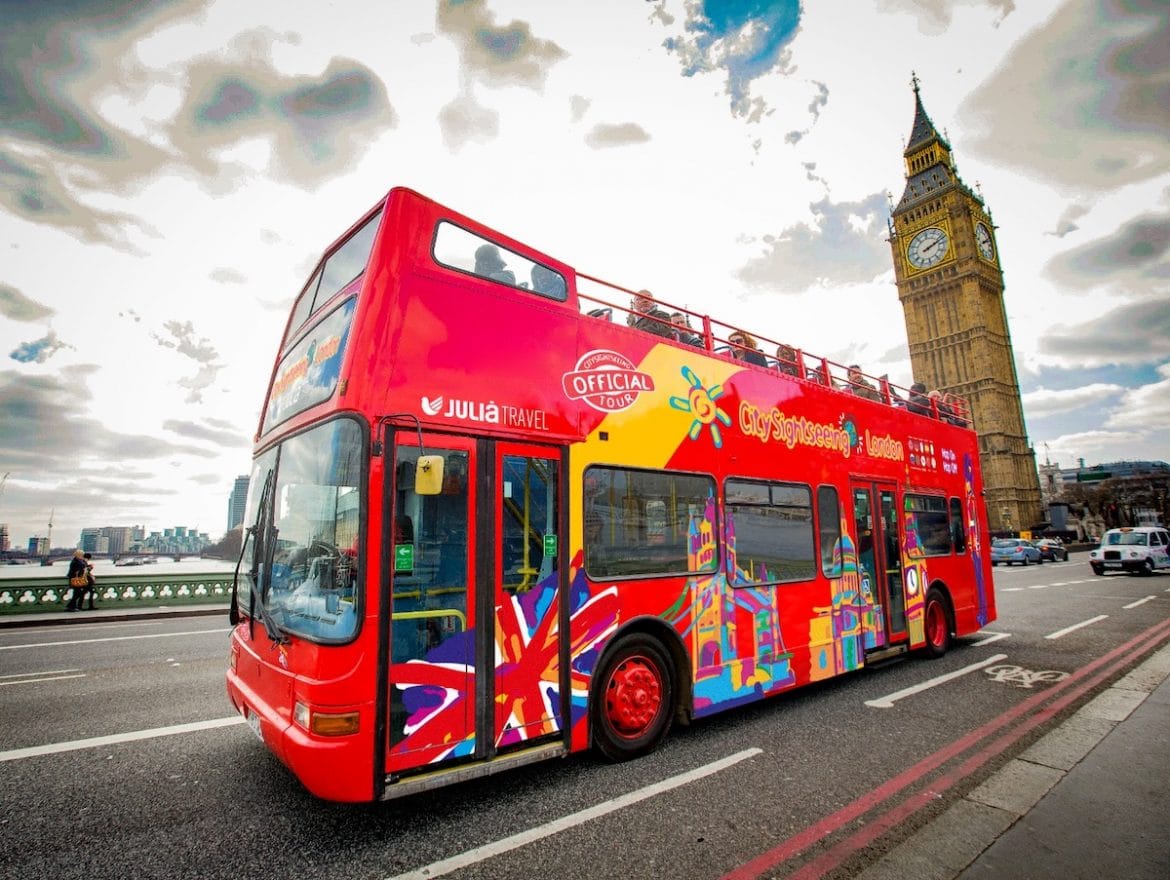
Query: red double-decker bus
x,y
502,511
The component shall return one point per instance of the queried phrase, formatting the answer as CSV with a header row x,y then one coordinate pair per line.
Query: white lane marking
x,y
192,632
38,680
1076,626
1139,602
991,637
489,850
117,738
46,672
1040,587
1059,584
887,702
1011,590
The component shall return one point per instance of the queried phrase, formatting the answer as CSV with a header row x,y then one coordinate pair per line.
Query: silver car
x,y
1012,550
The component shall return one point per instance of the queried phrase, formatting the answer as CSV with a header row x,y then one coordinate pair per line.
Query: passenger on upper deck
x,y
683,330
548,282
490,264
786,360
645,315
919,403
861,386
745,348
947,408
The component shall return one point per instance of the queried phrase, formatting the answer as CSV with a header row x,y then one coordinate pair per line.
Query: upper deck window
x,y
308,373
456,248
341,267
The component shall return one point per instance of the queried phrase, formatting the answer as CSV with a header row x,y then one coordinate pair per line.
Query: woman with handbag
x,y
78,579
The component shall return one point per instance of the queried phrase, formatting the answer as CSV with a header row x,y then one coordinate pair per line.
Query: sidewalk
x,y
1091,799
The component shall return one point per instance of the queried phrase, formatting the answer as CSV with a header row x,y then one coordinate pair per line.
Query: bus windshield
x,y
304,556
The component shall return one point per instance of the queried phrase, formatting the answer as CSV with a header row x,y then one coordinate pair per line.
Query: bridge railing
x,y
40,594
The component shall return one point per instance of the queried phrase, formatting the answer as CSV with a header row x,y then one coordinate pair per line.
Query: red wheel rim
x,y
936,624
633,697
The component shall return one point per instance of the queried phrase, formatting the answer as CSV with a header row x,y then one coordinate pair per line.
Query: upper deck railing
x,y
720,339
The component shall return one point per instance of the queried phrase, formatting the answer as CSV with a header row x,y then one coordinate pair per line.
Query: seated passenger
x,y
490,264
786,360
949,408
745,348
645,315
919,403
683,330
548,282
861,386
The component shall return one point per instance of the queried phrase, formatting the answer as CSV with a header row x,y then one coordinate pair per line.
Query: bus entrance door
x,y
527,654
432,613
879,558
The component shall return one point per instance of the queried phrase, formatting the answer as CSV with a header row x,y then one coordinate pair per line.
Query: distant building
x,y
38,546
4,545
112,540
237,501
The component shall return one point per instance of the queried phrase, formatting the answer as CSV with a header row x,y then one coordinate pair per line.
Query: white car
x,y
1140,550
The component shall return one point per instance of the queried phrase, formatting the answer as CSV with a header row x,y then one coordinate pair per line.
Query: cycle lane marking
x,y
1061,695
1139,602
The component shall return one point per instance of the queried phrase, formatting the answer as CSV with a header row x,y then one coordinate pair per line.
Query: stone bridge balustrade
x,y
40,594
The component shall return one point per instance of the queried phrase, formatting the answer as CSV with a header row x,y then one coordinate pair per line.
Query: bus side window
x,y
958,527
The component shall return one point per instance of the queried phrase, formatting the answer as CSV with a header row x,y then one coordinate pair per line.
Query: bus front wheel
x,y
633,700
938,623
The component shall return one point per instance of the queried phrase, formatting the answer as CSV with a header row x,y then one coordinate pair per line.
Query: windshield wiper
x,y
257,531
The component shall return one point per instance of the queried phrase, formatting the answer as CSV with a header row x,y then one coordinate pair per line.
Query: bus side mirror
x,y
428,475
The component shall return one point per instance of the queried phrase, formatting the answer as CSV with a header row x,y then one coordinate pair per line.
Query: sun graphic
x,y
700,403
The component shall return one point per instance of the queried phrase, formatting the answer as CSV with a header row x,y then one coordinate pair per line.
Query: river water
x,y
106,568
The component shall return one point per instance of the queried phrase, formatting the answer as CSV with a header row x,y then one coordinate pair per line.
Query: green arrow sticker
x,y
404,557
550,545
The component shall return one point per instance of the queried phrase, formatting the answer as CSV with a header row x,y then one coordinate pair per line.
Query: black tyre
x,y
937,618
633,698
1147,568
1098,569
1026,563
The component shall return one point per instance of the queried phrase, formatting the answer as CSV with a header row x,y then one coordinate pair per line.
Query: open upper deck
x,y
408,234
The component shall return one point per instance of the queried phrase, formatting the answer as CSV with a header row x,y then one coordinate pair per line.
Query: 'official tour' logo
x,y
606,380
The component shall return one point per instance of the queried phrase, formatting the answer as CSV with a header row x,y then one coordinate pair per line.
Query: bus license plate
x,y
254,723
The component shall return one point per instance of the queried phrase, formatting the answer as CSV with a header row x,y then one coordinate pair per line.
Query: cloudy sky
x,y
170,172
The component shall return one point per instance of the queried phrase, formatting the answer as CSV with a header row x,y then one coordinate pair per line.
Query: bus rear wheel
x,y
633,700
938,623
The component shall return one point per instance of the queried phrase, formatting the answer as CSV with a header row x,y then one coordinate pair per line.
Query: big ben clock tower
x,y
950,283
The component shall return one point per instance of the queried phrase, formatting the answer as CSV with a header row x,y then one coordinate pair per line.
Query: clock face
x,y
927,247
983,241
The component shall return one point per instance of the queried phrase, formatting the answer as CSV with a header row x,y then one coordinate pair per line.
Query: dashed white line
x,y
38,680
1139,602
991,637
887,702
1039,587
117,738
487,851
192,632
1076,626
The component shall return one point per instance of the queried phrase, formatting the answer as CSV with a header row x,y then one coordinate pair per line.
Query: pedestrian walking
x,y
88,590
78,576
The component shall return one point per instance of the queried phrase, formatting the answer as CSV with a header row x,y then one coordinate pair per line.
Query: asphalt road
x,y
818,783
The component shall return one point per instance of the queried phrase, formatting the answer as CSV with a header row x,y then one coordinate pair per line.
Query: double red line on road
x,y
1065,693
